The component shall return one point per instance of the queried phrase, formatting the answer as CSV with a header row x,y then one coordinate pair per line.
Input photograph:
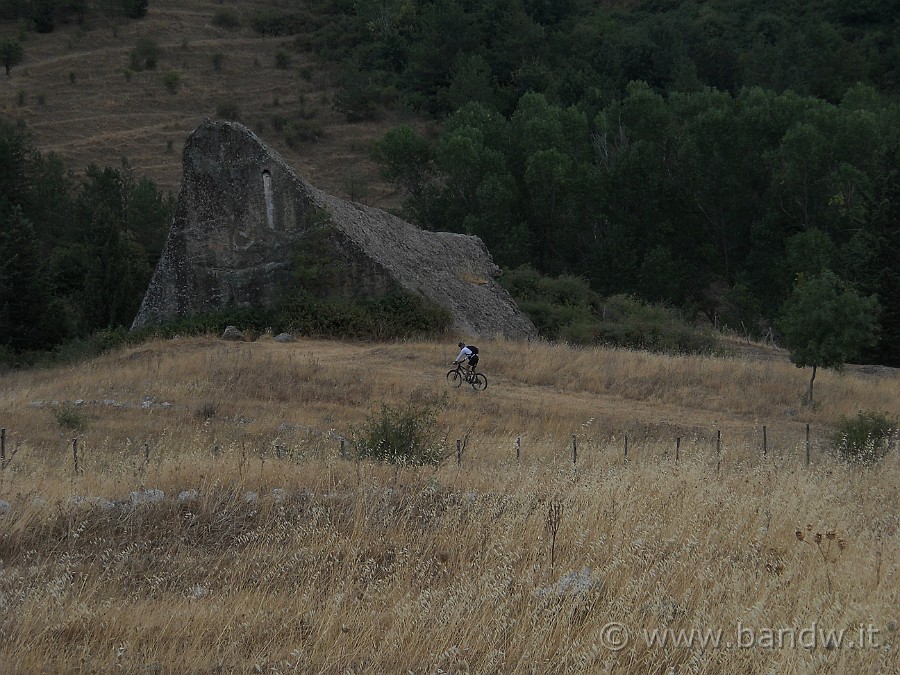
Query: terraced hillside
x,y
78,95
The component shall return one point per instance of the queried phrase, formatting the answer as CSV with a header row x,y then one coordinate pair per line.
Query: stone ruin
x,y
243,214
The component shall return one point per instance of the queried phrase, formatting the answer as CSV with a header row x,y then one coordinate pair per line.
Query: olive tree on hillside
x,y
11,53
826,323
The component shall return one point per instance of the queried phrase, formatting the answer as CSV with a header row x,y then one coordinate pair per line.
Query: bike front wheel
x,y
454,377
479,382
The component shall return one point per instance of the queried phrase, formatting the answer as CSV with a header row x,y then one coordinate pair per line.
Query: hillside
x,y
540,389
74,95
184,506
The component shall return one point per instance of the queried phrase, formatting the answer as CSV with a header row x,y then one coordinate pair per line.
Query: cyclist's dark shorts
x,y
473,360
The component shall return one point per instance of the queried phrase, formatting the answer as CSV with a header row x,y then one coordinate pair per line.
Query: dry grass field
x,y
76,95
214,525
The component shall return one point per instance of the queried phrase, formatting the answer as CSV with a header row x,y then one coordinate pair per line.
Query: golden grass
x,y
270,552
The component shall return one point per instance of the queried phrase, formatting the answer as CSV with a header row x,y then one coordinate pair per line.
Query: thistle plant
x,y
554,517
830,551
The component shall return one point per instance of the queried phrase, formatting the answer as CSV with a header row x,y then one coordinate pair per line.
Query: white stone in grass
x,y
197,592
4,506
232,333
251,497
278,494
147,496
187,496
573,583
104,504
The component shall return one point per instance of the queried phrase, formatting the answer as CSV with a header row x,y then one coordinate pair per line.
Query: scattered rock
x,y
284,337
232,333
573,583
146,497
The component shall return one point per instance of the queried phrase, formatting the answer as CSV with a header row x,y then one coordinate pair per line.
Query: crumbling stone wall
x,y
242,212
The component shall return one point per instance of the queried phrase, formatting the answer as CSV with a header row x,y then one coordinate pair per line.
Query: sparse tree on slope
x,y
826,323
11,53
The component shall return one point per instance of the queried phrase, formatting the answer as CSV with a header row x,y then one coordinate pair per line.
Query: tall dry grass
x,y
269,552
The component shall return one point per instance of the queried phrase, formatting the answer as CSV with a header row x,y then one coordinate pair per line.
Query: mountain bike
x,y
458,375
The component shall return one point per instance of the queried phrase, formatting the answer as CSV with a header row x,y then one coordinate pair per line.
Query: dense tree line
x,y
435,55
708,155
704,200
75,255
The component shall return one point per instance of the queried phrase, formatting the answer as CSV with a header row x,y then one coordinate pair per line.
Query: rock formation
x,y
243,215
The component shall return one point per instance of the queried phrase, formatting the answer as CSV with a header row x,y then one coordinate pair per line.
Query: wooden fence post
x,y
574,455
458,452
2,448
518,449
75,455
718,450
807,445
626,450
677,449
765,442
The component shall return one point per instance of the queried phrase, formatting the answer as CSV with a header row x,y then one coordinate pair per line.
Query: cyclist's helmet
x,y
461,345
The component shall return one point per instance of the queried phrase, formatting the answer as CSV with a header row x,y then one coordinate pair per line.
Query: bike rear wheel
x,y
479,382
454,377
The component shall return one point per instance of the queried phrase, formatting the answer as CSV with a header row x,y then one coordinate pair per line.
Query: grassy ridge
x,y
283,556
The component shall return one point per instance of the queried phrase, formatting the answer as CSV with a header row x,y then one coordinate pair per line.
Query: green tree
x,y
15,152
405,159
24,296
11,53
826,323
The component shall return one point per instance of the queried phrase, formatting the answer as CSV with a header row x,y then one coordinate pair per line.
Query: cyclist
x,y
470,354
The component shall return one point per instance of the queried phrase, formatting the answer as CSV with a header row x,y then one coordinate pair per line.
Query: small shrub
x,y
226,18
207,411
227,110
107,339
404,435
282,59
71,418
866,438
41,98
300,131
135,9
21,96
278,25
172,81
145,55
72,77
218,60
